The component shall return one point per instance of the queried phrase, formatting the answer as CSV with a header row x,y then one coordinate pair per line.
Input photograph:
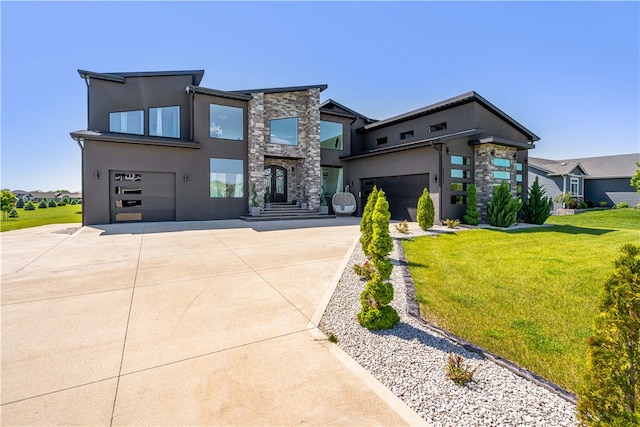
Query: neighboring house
x,y
589,179
37,196
26,195
159,147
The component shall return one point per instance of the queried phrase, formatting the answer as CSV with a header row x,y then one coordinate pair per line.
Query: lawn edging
x,y
413,309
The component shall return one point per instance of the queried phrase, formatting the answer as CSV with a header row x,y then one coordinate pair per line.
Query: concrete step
x,y
261,217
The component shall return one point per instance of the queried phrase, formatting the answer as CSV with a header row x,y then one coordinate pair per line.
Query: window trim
x,y
437,127
179,121
128,111
406,135
242,125
341,137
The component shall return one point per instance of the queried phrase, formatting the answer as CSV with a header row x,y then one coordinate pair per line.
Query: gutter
x,y
79,141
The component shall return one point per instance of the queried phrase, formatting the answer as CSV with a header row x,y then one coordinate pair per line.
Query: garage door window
x,y
227,178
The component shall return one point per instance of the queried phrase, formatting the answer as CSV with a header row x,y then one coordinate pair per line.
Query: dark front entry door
x,y
275,179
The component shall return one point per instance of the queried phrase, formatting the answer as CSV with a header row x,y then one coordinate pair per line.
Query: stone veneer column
x,y
312,136
256,142
483,176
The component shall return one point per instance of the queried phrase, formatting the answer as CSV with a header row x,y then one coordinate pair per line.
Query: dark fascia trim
x,y
280,89
119,77
84,135
503,141
465,98
336,113
414,144
342,107
219,93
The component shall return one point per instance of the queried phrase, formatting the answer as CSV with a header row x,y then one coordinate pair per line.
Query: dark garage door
x,y
142,196
402,193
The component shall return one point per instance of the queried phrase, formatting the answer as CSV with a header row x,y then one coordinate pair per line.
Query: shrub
x,y
365,223
472,216
366,270
29,206
73,202
381,242
65,200
426,211
42,204
537,208
452,223
611,394
403,227
13,213
332,338
20,203
590,204
62,204
602,204
7,199
503,208
52,203
457,371
78,201
622,205
583,205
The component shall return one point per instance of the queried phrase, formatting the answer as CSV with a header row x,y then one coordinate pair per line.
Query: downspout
x,y
564,190
88,83
440,172
79,141
191,116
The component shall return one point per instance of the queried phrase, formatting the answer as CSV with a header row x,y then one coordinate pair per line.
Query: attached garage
x,y
402,193
142,196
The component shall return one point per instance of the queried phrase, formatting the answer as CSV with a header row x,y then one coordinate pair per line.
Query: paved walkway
x,y
197,323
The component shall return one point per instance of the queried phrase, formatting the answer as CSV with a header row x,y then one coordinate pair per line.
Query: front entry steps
x,y
285,212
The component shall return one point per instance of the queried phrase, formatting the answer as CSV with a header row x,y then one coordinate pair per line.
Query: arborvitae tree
x,y
378,293
365,224
52,203
29,206
42,204
13,213
20,203
611,394
537,208
503,208
472,216
426,212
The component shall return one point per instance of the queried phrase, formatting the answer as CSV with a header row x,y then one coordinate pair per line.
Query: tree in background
x,y
537,208
611,394
503,208
366,229
7,199
426,211
635,179
472,216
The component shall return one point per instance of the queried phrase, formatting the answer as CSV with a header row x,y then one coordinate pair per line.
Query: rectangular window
x,y
332,181
128,190
459,186
165,121
127,122
438,127
128,203
227,178
460,173
575,182
518,177
519,167
503,163
284,131
460,160
519,188
406,135
330,135
381,141
502,175
226,122
128,176
458,200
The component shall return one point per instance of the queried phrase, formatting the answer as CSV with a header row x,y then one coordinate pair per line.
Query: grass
x,y
37,217
529,296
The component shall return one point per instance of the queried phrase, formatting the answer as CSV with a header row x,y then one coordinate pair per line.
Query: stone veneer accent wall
x,y
484,168
302,161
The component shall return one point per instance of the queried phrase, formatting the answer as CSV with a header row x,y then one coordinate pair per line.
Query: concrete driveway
x,y
195,323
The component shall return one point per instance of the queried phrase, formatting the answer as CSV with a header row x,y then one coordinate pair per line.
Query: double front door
x,y
275,181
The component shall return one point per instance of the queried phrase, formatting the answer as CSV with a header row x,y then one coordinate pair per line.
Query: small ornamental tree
x,y
635,179
365,224
426,211
13,213
42,204
376,313
503,208
52,203
7,198
611,394
29,206
472,216
537,208
20,203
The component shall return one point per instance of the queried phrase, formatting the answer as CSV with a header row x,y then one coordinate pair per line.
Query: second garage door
x,y
142,196
402,193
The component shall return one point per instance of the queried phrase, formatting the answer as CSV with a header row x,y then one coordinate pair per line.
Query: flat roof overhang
x,y
502,141
415,144
84,135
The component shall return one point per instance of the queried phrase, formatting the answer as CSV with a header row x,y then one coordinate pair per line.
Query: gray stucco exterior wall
x,y
611,190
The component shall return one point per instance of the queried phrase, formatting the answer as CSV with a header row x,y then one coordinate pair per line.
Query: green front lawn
x,y
57,215
529,296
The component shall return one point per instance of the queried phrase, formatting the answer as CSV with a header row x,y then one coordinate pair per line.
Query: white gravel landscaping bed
x,y
411,359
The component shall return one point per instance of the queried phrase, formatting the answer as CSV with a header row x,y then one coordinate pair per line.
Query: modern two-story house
x,y
160,147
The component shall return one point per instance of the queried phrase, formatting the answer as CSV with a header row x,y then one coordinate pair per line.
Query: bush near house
x,y
426,211
366,227
503,208
472,216
537,208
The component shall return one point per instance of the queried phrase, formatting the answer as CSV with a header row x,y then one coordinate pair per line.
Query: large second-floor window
x,y
127,122
164,121
330,135
284,131
226,122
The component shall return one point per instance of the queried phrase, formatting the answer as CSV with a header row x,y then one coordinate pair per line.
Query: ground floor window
x,y
227,178
332,180
575,186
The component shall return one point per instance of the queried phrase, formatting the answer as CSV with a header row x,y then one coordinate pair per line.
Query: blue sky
x,y
569,72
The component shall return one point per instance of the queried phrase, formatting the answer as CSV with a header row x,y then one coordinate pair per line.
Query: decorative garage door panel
x,y
402,193
142,196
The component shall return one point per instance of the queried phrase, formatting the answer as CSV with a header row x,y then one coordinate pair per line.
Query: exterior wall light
x,y
96,174
435,178
186,177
